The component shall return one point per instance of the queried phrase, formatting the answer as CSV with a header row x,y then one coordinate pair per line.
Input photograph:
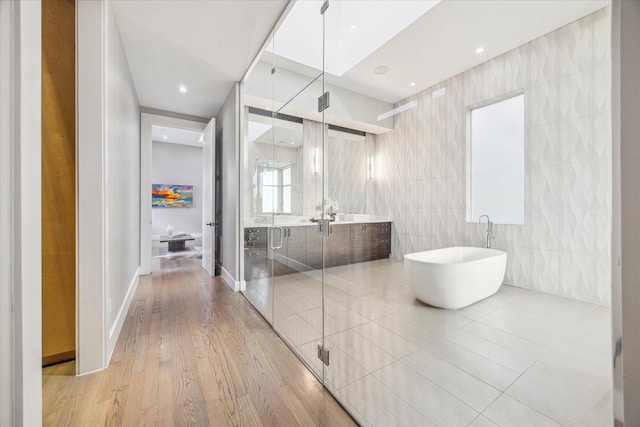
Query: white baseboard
x,y
114,332
234,284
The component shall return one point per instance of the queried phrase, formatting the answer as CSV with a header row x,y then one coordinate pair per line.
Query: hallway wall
x,y
122,182
227,126
108,184
177,164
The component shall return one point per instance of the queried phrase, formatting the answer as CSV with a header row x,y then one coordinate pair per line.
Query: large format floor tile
x,y
379,406
517,358
505,411
469,389
437,405
366,353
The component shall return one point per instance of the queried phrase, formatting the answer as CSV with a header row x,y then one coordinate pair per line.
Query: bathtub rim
x,y
491,253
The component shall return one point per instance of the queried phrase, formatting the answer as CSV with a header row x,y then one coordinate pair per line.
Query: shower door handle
x,y
271,245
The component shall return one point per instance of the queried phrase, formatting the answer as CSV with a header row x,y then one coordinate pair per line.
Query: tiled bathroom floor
x,y
517,358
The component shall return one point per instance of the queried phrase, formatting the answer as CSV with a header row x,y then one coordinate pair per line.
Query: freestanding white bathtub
x,y
455,277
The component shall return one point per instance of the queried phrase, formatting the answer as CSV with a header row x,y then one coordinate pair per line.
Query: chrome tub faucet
x,y
489,229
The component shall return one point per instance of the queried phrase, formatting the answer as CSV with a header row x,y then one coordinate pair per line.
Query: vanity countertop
x,y
304,223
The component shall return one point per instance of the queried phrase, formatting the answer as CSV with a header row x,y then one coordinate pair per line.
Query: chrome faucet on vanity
x,y
489,229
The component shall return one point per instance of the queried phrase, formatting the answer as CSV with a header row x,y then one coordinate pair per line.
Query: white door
x,y
208,198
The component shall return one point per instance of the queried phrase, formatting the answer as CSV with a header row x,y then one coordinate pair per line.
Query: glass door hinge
x,y
324,7
323,354
323,102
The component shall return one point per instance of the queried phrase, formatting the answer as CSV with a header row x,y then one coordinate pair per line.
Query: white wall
x,y
122,182
347,177
108,185
20,276
177,164
563,247
312,132
227,124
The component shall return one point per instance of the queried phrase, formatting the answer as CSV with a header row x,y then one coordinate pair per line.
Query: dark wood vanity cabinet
x,y
370,241
255,253
382,244
302,247
313,246
339,242
363,238
296,247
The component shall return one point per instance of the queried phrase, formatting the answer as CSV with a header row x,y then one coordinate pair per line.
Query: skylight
x,y
375,22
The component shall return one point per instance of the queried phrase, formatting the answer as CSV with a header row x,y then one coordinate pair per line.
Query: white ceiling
x,y
442,42
176,135
205,45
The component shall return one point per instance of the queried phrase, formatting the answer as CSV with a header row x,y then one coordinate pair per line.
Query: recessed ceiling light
x,y
293,143
353,28
412,84
182,89
480,49
164,136
382,69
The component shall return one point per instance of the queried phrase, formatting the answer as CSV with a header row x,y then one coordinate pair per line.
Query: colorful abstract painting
x,y
171,196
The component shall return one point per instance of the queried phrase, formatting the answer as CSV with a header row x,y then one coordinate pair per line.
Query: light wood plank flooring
x,y
191,352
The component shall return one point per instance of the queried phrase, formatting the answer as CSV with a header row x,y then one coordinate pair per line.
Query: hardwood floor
x,y
191,352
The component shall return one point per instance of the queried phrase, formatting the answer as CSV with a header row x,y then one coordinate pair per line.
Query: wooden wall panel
x,y
58,181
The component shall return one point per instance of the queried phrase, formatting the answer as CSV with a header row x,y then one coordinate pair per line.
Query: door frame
x,y
20,248
209,202
147,120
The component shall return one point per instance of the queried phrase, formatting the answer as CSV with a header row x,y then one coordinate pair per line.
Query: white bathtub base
x,y
455,277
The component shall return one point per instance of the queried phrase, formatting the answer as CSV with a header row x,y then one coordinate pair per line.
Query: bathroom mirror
x,y
274,167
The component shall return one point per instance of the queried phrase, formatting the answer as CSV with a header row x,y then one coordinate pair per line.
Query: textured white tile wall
x,y
564,246
346,173
312,133
343,170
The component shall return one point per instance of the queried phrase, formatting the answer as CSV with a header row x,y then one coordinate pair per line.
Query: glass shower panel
x,y
258,190
391,168
373,324
298,262
297,46
283,189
